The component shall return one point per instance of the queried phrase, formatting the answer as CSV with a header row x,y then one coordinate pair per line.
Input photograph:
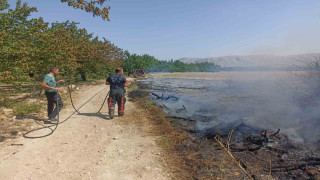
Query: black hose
x,y
77,110
72,100
103,102
58,121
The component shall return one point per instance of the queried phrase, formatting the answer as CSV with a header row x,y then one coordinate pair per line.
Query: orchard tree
x,y
16,35
97,8
29,46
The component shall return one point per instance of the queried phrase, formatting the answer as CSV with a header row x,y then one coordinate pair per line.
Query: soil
x,y
87,146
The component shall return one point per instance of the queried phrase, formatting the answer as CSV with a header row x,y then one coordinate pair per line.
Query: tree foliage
x,y
30,46
151,64
97,8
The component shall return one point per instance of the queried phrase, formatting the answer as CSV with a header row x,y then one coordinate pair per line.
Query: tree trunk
x,y
83,77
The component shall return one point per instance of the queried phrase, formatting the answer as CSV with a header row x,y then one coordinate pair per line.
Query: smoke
x,y
246,101
301,39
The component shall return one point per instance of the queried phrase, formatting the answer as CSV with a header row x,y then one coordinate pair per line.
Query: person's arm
x,y
125,82
108,81
45,85
60,81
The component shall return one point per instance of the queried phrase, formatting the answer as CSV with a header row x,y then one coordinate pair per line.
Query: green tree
x,y
97,8
31,46
151,64
16,35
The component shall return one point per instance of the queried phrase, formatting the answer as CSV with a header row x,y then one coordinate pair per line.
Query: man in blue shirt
x,y
117,93
51,92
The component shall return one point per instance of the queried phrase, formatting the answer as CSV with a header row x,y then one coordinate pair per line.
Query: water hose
x,y
25,135
77,110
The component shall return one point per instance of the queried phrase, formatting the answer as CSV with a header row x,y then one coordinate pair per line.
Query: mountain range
x,y
269,61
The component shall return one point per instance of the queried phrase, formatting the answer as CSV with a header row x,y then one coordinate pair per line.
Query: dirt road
x,y
87,146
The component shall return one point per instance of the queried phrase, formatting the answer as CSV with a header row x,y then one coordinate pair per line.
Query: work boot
x,y
120,114
111,113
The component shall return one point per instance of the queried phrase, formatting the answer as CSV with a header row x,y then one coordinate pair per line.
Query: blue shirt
x,y
116,81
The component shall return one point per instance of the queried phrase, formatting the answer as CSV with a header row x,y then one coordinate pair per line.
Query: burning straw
x,y
228,150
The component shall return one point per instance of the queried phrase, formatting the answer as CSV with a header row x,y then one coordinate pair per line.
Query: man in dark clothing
x,y
117,93
51,92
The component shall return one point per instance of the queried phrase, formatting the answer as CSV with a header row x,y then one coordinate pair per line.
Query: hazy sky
x,y
200,28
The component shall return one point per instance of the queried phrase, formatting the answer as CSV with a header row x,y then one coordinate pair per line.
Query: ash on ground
x,y
274,135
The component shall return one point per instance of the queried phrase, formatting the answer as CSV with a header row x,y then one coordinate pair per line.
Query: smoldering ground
x,y
210,104
248,102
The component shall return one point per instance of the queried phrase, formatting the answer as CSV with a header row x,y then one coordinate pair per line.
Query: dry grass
x,y
12,120
226,147
14,105
160,126
10,128
232,75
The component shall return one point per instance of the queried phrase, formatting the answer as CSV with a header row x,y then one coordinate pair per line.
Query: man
x,y
117,93
51,92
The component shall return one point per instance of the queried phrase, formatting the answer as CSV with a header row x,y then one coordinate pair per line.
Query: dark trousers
x,y
117,96
52,100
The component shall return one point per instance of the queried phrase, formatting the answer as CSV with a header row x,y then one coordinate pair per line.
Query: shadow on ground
x,y
106,117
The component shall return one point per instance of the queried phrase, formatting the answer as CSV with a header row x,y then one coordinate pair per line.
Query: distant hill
x,y
256,61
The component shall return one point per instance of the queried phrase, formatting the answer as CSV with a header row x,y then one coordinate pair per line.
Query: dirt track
x,y
87,146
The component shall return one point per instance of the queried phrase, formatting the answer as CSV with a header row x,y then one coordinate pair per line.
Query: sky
x,y
172,29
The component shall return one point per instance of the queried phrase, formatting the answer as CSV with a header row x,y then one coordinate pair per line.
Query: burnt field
x,y
258,119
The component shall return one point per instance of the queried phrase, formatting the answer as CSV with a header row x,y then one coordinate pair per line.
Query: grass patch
x,y
132,87
21,108
3,94
10,127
